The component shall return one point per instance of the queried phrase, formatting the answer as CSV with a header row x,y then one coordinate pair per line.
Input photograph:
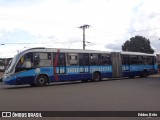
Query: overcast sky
x,y
54,23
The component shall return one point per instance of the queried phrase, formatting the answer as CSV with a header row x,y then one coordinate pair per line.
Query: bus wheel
x,y
41,81
96,77
144,74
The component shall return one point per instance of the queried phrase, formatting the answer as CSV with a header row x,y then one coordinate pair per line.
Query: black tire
x,y
144,74
41,81
96,77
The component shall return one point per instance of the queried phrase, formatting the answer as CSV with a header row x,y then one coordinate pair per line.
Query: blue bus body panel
x,y
10,81
72,73
137,70
69,73
27,77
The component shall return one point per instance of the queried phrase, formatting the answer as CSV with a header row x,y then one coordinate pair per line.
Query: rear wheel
x,y
96,77
144,74
41,81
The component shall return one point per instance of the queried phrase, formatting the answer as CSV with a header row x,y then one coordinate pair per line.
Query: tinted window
x,y
42,59
60,61
106,59
95,59
125,59
72,59
148,60
83,59
25,62
133,59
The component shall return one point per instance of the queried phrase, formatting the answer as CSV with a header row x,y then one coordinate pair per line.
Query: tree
x,y
138,44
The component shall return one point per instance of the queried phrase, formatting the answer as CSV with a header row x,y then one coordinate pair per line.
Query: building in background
x,y
3,64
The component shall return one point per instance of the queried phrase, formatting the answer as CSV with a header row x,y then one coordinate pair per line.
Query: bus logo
x,y
6,114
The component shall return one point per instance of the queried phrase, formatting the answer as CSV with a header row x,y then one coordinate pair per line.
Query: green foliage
x,y
138,44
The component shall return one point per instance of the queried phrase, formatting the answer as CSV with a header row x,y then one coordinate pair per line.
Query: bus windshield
x,y
11,65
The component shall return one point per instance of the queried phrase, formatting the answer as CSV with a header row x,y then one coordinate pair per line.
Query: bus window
x,y
150,60
146,60
155,60
42,59
133,59
95,59
61,60
140,59
83,59
105,59
72,59
125,59
25,62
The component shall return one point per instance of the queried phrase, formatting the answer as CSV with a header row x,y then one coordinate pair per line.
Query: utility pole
x,y
83,27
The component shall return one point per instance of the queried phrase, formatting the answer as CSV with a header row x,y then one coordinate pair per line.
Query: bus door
x,y
125,63
154,61
116,64
155,64
83,63
59,63
149,62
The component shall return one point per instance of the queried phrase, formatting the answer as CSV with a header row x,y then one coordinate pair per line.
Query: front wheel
x,y
96,77
41,81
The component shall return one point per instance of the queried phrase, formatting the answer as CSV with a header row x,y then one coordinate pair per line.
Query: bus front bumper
x,y
9,80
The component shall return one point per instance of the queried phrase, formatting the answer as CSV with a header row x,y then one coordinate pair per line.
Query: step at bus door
x,y
116,64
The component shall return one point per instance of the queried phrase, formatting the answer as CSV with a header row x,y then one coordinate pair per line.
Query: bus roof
x,y
136,53
64,50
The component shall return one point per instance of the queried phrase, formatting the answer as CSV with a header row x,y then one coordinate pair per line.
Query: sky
x,y
55,24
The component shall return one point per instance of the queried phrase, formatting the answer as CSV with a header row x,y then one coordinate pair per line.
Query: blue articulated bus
x,y
41,66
